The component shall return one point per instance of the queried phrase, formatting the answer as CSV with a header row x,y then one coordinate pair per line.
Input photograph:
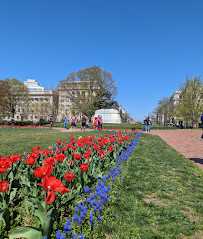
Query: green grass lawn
x,y
160,195
16,141
118,126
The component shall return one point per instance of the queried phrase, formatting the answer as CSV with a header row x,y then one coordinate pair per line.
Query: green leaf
x,y
13,194
26,232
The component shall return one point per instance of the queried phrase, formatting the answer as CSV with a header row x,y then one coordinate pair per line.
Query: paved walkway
x,y
187,141
74,130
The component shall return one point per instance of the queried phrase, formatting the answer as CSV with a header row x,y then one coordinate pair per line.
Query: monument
x,y
109,115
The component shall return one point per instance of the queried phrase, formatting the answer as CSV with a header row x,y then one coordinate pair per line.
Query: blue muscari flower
x,y
54,149
120,177
92,188
75,218
45,237
75,236
88,200
117,195
58,235
67,227
91,218
86,190
114,215
63,236
99,217
76,209
91,197
95,224
92,233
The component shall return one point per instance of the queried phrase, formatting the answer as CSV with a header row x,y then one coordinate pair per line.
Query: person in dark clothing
x,y
202,124
51,122
147,123
83,122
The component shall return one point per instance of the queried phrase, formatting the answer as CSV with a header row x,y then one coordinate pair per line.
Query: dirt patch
x,y
154,199
190,216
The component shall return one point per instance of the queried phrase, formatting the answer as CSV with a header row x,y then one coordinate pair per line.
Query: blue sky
x,y
148,46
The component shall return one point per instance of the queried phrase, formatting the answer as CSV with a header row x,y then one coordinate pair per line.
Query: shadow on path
x,y
197,160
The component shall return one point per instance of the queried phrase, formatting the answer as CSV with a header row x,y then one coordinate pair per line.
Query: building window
x,y
36,99
18,109
17,117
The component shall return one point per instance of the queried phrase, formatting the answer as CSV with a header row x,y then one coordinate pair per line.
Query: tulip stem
x,y
45,204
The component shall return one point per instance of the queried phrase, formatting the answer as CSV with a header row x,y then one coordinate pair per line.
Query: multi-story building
x,y
36,93
67,93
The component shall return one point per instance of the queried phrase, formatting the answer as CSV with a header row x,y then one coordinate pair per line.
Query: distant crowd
x,y
97,123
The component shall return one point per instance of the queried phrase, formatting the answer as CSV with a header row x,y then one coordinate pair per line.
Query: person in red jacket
x,y
95,124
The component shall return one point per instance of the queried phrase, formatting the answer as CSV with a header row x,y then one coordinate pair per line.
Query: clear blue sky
x,y
148,45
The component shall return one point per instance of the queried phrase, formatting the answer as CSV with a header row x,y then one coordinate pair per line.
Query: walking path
x,y
75,130
187,141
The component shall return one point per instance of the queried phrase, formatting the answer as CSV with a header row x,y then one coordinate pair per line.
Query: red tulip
x,y
77,157
60,157
50,197
46,170
4,186
30,161
69,177
49,161
84,167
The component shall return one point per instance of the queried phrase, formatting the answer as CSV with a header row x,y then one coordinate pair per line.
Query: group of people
x,y
97,125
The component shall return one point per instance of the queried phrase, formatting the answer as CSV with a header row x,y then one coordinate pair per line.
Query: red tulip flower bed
x,y
45,182
22,127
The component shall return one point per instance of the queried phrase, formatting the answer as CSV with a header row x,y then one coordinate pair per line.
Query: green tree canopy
x,y
15,93
89,89
190,104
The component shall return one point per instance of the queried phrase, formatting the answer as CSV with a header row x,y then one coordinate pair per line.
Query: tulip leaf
x,y
26,232
13,194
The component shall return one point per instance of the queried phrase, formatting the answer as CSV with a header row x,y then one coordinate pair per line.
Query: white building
x,y
32,85
109,115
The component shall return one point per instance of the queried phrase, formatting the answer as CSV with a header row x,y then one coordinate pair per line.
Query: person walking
x,y
83,126
147,123
202,124
65,122
87,122
51,122
73,121
100,122
95,124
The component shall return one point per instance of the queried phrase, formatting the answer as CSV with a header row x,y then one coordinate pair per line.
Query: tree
x,y
89,89
163,110
190,104
5,96
16,93
41,109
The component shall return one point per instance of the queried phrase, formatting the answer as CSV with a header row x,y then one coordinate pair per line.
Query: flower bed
x,y
22,127
47,182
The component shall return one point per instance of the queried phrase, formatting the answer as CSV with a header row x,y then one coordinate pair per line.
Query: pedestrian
x,y
95,124
100,122
65,122
147,123
202,124
83,122
73,121
51,122
87,122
